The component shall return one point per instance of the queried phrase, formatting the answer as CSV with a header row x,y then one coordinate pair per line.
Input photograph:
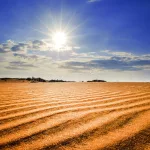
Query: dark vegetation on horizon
x,y
97,81
35,80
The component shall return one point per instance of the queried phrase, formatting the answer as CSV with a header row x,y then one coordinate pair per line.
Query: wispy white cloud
x,y
91,1
118,53
20,65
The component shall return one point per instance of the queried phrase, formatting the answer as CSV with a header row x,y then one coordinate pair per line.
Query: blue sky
x,y
106,39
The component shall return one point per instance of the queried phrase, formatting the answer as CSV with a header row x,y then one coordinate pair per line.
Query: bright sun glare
x,y
59,39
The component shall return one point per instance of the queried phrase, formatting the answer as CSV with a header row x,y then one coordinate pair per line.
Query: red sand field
x,y
75,116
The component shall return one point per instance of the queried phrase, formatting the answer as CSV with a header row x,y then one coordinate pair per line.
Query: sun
x,y
59,39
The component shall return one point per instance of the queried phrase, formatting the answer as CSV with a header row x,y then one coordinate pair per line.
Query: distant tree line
x,y
97,81
35,80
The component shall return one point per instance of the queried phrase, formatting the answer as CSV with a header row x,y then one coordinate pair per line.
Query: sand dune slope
x,y
75,116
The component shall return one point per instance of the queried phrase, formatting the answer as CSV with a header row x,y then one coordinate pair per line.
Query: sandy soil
x,y
75,116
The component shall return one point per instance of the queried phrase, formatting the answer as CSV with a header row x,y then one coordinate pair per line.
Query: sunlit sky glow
x,y
75,39
59,39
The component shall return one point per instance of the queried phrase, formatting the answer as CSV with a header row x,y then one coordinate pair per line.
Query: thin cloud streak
x,y
92,1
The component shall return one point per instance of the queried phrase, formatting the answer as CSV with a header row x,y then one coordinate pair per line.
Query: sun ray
x,y
44,24
70,20
61,16
78,35
74,14
40,31
75,28
52,20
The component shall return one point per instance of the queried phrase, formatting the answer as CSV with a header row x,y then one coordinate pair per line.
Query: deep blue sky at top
x,y
121,25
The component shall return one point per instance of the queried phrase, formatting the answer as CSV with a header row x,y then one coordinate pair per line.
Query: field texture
x,y
75,116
